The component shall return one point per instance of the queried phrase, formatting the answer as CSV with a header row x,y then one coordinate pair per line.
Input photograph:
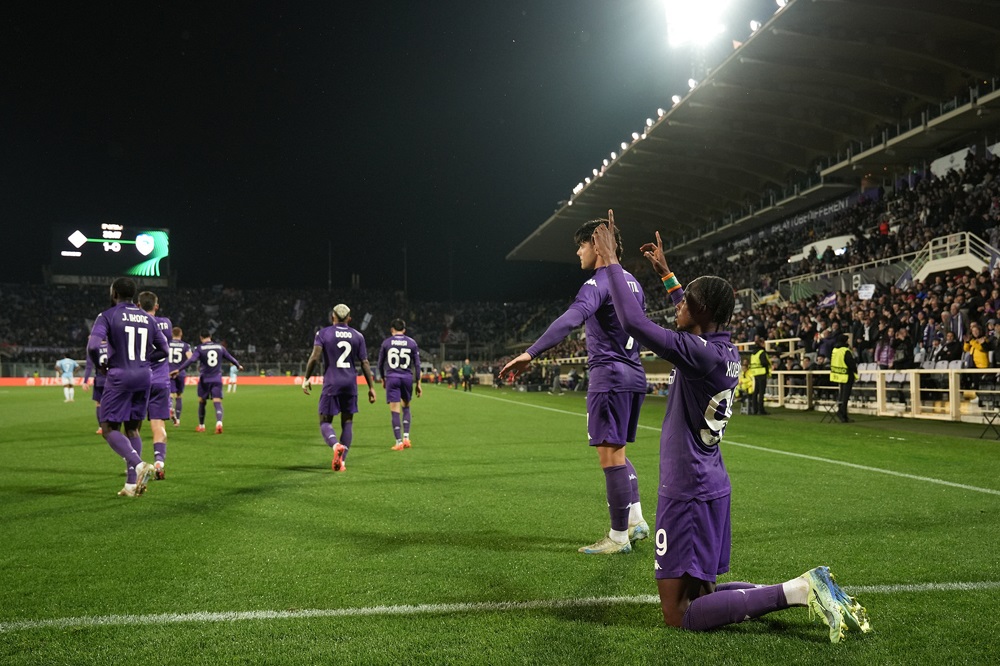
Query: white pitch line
x,y
421,609
866,468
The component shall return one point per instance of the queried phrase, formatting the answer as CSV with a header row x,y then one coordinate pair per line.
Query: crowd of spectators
x,y
40,323
953,315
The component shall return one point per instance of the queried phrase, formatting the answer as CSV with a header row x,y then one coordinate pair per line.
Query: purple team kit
x,y
343,347
397,358
178,352
617,379
159,390
210,354
693,478
133,339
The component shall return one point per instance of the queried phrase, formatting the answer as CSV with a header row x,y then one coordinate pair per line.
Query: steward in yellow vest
x,y
843,371
760,370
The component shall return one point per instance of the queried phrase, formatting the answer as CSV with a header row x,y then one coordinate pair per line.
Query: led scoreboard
x,y
110,249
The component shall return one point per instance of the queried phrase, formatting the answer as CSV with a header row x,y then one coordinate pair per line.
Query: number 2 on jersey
x,y
342,362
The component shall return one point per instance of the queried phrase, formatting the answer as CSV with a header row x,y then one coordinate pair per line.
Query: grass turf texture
x,y
488,507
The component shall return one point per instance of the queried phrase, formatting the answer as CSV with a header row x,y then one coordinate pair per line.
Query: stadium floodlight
x,y
692,84
781,3
606,163
614,155
694,23
595,172
660,112
649,122
676,99
755,25
635,136
624,146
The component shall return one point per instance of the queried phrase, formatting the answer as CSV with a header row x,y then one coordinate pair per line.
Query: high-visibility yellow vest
x,y
838,366
746,383
757,366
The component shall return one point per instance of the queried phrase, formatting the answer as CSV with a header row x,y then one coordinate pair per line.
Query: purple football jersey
x,y
134,342
161,368
178,352
211,355
91,369
699,403
612,356
343,347
398,356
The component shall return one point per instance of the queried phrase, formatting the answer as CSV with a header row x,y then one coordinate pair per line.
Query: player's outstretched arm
x,y
517,365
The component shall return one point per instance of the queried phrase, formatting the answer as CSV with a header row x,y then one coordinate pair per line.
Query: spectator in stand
x,y
884,352
825,347
902,357
952,347
978,346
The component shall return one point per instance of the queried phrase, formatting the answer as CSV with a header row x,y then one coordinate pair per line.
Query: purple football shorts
x,y
334,403
121,405
177,384
210,390
612,417
692,537
398,388
159,401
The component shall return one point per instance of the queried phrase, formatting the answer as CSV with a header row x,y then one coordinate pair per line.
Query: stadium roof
x,y
789,106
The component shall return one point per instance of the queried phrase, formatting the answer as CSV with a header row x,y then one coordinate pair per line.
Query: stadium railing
x,y
943,394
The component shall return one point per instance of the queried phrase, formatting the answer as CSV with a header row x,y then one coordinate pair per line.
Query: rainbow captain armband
x,y
671,283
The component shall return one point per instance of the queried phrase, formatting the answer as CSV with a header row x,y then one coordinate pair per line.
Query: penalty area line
x,y
423,609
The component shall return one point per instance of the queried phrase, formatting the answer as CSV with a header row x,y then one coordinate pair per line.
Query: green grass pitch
x,y
463,548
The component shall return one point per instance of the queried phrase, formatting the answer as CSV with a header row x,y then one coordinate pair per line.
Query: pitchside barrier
x,y
945,393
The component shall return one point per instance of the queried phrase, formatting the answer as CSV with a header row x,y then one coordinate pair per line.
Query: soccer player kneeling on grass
x,y
340,347
398,358
692,531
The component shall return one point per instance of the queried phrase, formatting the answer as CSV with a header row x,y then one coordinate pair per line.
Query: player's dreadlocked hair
x,y
586,232
714,294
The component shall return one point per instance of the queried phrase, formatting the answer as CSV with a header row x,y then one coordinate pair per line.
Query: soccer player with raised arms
x,y
211,354
692,530
398,361
133,343
615,393
341,348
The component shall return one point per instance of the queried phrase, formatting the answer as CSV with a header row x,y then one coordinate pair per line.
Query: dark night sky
x,y
258,135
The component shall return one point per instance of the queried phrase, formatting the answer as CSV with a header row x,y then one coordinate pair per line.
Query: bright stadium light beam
x,y
694,23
